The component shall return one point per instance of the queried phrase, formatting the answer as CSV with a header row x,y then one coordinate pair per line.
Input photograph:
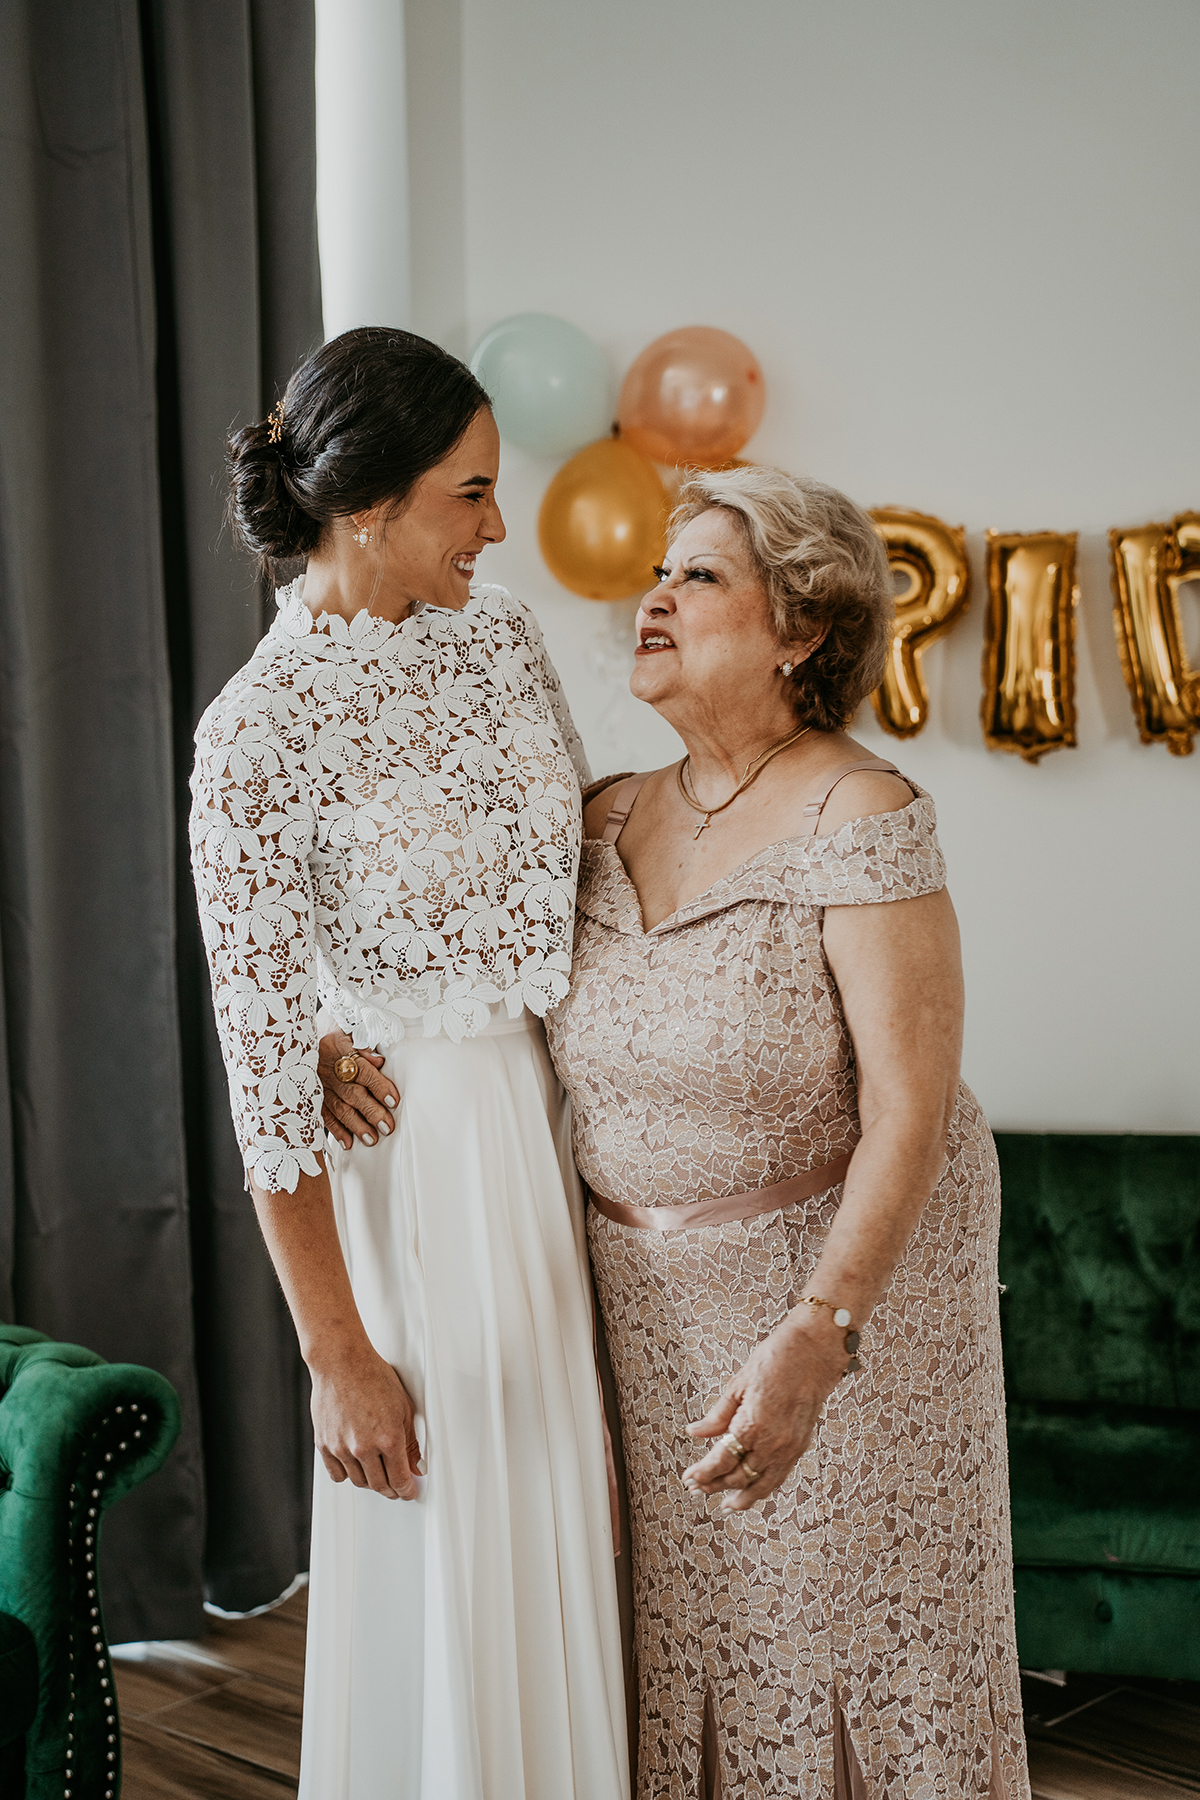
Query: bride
x,y
386,822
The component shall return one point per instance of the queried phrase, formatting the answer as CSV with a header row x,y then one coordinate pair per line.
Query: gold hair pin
x,y
275,421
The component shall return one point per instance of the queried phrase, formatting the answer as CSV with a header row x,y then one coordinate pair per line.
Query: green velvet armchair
x,y
1100,1254
76,1434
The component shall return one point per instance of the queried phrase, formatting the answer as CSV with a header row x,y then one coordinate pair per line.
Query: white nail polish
x,y
385,1125
391,1102
367,1138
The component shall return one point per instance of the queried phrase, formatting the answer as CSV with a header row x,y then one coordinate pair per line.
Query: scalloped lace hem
x,y
455,1009
278,1171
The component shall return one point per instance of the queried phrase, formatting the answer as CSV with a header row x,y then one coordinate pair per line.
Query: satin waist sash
x,y
732,1206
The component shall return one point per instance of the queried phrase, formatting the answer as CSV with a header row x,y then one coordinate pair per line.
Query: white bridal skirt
x,y
465,1645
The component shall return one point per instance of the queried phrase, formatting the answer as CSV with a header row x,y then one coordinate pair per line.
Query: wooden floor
x,y
219,1719
1097,1738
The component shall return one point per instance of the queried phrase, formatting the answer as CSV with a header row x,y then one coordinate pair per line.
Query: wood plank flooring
x,y
219,1719
1097,1737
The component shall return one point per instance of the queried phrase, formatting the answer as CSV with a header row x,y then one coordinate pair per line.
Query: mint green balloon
x,y
550,385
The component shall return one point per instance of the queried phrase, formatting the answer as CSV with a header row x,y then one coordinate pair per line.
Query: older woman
x,y
795,1200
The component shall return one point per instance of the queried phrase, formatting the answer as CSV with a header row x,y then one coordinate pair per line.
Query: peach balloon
x,y
694,396
602,525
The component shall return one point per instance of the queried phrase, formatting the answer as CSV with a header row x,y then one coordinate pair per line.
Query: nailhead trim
x,y
99,1472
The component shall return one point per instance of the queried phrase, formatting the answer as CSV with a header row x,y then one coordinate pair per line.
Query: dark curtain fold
x,y
160,281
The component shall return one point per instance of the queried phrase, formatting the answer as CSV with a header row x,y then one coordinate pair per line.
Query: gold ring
x,y
754,1474
729,1442
346,1069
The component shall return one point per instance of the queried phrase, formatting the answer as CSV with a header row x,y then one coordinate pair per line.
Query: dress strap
x,y
816,805
624,795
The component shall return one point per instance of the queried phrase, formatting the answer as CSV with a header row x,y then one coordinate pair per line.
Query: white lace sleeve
x,y
552,687
251,832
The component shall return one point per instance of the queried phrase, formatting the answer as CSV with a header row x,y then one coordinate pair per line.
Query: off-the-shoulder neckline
x,y
803,841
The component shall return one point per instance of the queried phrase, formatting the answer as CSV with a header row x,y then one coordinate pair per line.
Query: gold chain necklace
x,y
753,771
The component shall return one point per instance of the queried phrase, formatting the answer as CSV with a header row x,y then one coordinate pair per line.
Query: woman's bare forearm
x,y
363,1419
892,1174
899,975
302,1240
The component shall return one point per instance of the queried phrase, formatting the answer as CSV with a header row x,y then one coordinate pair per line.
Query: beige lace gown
x,y
710,1056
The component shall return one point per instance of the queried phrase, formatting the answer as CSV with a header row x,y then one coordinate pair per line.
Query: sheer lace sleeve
x,y
553,690
252,831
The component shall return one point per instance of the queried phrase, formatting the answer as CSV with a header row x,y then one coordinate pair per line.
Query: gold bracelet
x,y
841,1318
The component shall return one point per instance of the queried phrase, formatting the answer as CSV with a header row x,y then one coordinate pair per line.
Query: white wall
x,y
956,238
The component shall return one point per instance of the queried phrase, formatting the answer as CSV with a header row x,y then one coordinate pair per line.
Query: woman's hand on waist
x,y
355,1109
364,1422
770,1407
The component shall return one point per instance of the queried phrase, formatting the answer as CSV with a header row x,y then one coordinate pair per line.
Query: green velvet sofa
x,y
1100,1258
76,1434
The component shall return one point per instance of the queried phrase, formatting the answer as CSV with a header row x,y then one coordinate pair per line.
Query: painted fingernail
x,y
385,1125
390,1101
367,1138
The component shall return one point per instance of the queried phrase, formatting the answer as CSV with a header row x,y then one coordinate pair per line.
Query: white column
x,y
362,164
433,31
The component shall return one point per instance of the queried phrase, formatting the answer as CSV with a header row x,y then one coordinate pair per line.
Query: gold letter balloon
x,y
932,557
602,525
1029,643
1150,564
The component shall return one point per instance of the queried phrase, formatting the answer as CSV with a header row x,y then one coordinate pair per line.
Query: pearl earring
x,y
363,537
786,668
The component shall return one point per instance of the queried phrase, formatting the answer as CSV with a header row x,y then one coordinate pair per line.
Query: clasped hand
x,y
361,1108
771,1406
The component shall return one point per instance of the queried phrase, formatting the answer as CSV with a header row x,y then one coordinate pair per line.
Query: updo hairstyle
x,y
361,421
824,568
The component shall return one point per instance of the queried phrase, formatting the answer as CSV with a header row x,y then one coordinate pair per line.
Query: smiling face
x,y
429,546
707,646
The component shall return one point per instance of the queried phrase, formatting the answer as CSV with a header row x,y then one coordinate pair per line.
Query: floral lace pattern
x,y
708,1056
385,818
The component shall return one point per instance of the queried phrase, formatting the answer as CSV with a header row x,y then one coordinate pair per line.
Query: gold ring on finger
x,y
346,1069
754,1474
729,1442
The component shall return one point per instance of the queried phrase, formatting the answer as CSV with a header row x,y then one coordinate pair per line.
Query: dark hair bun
x,y
263,512
363,419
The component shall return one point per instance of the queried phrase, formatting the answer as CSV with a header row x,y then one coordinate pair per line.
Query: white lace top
x,y
386,819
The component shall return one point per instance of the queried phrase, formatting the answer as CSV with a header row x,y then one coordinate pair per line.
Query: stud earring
x,y
362,536
786,668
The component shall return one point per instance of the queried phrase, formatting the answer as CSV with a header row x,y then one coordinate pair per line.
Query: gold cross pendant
x,y
703,826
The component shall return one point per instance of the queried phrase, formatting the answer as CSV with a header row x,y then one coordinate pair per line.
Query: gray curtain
x,y
159,276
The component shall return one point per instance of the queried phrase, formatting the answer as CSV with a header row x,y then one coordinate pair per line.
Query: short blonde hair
x,y
825,569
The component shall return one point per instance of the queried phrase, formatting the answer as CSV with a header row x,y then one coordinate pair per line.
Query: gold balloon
x,y
1150,563
694,396
602,525
932,555
1029,646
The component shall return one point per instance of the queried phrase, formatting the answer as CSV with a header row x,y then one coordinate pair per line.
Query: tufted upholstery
x,y
76,1434
1100,1252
